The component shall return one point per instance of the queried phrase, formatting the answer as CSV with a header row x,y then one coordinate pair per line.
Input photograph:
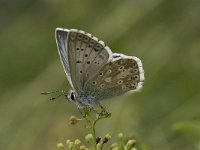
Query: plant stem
x,y
94,135
92,121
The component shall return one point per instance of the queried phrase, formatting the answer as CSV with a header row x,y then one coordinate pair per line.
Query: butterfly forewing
x,y
86,56
61,40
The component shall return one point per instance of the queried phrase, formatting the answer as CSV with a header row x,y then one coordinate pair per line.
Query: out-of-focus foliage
x,y
164,34
189,128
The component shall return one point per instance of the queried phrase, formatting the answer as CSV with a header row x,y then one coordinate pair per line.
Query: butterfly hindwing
x,y
121,75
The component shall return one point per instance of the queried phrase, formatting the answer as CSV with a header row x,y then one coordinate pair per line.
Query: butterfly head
x,y
79,99
71,96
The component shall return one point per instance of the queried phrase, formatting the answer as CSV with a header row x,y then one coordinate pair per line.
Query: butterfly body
x,y
94,72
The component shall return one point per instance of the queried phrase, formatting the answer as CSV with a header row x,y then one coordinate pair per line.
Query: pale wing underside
x,y
121,75
91,68
84,55
61,40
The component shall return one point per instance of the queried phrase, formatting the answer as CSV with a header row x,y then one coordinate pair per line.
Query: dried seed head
x,y
73,120
98,140
106,138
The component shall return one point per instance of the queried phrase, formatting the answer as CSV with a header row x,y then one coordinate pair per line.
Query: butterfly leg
x,y
85,111
103,112
81,112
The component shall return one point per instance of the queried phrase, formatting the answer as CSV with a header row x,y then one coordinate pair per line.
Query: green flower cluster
x,y
100,142
93,142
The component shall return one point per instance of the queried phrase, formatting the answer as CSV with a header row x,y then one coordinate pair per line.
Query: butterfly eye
x,y
71,96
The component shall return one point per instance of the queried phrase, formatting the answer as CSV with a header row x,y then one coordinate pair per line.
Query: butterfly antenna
x,y
53,98
53,92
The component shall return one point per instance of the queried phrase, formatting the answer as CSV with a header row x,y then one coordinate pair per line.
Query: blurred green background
x,y
164,34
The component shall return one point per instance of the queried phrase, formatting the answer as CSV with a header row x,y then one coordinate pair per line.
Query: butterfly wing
x,y
82,55
61,40
121,75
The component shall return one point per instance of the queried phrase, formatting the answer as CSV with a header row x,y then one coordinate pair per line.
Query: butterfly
x,y
93,71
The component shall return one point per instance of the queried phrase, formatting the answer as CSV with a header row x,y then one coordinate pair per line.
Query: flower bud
x,y
108,136
120,135
82,147
114,145
88,137
68,141
115,148
71,144
77,142
60,146
131,143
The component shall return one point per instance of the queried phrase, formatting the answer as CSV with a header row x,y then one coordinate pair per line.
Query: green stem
x,y
94,135
92,123
94,132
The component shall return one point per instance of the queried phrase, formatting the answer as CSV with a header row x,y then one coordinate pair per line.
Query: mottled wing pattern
x,y
121,75
86,55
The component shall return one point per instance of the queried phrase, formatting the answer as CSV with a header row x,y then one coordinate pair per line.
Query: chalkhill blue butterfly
x,y
93,71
